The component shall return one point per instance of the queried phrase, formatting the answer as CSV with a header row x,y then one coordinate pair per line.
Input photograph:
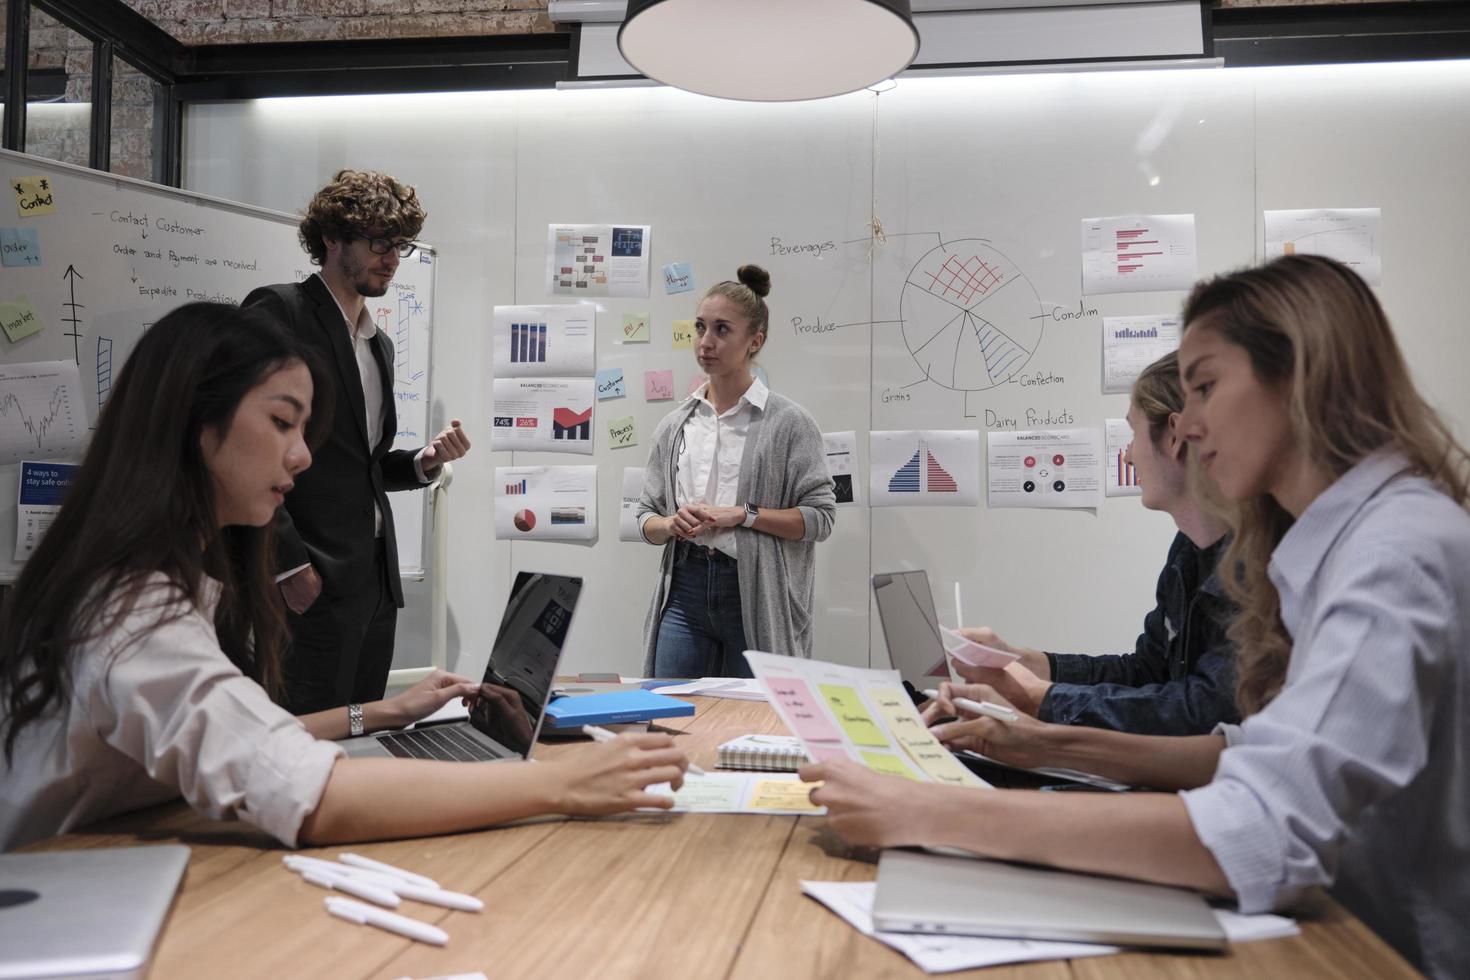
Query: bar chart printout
x,y
1122,479
41,411
1132,343
544,341
1138,253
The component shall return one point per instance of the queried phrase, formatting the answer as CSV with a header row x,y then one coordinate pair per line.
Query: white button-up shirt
x,y
708,467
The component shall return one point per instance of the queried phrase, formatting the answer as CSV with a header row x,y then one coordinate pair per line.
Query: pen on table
x,y
398,886
352,886
366,915
996,711
959,612
368,864
600,734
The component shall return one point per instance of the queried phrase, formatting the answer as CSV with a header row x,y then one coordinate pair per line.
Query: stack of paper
x,y
737,688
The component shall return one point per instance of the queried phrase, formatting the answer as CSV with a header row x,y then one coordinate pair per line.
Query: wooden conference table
x,y
659,895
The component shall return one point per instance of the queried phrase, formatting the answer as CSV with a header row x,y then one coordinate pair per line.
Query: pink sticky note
x,y
826,753
658,386
803,710
697,382
967,651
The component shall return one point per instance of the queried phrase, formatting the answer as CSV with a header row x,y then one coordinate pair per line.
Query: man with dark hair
x,y
336,554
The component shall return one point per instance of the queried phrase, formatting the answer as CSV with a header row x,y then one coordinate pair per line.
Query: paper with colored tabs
x,y
623,432
782,794
683,334
33,196
847,705
19,319
897,710
635,328
888,765
807,719
826,753
658,386
20,247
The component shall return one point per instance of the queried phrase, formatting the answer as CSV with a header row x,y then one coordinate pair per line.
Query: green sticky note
x,y
853,715
623,432
635,328
888,765
20,319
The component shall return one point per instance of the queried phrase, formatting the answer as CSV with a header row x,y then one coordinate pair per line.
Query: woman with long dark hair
x,y
139,645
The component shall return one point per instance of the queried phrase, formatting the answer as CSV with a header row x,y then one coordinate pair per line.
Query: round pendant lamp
x,y
769,50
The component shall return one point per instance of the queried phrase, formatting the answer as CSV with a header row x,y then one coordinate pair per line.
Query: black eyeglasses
x,y
382,246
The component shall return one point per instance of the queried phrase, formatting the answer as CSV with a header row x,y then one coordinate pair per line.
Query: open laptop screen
x,y
910,626
528,648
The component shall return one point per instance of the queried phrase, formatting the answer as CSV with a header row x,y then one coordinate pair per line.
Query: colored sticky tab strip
x,y
803,712
622,432
683,334
782,794
888,765
635,328
853,716
897,710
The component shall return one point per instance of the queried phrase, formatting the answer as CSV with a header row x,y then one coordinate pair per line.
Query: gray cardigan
x,y
783,465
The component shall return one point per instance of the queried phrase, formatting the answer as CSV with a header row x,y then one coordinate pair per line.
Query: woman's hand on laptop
x,y
612,777
427,697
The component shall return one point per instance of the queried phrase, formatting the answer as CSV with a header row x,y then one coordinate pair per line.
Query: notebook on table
x,y
765,753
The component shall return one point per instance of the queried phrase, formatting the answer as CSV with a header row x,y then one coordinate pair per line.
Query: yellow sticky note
x,y
683,334
623,432
853,715
897,710
782,794
635,328
19,319
33,195
888,765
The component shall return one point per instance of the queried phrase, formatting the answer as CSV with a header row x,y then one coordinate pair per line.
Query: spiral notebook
x,y
765,753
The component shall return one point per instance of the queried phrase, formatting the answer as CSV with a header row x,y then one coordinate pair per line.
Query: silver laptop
x,y
507,715
85,913
911,627
932,893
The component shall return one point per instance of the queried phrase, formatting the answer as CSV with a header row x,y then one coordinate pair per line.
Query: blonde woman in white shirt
x,y
737,493
139,644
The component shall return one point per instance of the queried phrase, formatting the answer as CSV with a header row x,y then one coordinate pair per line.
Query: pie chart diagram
x,y
524,520
971,318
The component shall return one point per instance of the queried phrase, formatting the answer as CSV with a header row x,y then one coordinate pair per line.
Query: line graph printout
x,y
1138,253
41,411
931,468
1352,236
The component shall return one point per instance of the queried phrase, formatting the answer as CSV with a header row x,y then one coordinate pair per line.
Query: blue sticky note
x,y
678,277
20,247
610,384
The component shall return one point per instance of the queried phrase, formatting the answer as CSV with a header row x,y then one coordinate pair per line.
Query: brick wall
x,y
231,21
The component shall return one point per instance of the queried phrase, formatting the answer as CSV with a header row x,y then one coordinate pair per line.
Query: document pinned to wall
x,y
628,509
585,261
1045,468
1132,343
924,468
546,503
841,448
1138,253
41,413
1120,480
855,713
1352,236
544,341
43,487
544,415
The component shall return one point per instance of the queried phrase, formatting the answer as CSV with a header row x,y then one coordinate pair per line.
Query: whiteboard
x,y
118,253
1010,164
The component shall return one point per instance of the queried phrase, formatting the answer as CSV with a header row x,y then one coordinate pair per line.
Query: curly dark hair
x,y
355,204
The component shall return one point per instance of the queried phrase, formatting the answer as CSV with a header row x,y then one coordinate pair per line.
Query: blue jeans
x,y
701,633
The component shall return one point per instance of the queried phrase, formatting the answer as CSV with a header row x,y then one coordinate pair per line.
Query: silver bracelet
x,y
354,720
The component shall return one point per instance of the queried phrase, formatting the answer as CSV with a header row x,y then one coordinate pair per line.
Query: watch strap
x,y
354,720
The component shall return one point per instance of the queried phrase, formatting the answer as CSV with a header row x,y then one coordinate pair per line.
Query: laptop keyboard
x,y
447,743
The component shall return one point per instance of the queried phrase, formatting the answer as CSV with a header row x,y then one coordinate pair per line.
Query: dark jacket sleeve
x,y
398,470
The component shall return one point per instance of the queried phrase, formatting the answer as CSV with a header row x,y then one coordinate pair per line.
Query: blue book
x,y
612,708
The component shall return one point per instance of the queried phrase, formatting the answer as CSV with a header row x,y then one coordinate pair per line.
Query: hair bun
x,y
754,278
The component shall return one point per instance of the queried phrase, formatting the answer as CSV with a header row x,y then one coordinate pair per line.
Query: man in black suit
x,y
337,557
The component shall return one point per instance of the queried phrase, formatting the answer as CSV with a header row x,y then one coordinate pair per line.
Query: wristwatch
x,y
354,720
751,513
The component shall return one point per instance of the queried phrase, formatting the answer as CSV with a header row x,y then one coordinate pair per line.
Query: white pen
x,y
600,734
366,915
358,861
996,711
352,886
398,886
959,613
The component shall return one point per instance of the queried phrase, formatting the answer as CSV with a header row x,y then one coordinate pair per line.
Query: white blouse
x,y
708,467
155,712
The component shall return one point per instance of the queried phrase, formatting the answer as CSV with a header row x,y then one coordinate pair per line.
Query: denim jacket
x,y
1180,678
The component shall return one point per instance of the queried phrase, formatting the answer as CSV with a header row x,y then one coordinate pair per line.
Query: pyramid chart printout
x,y
544,341
924,468
546,503
542,414
1046,468
855,713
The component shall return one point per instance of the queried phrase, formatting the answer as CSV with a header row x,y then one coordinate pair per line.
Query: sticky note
x,y
697,382
623,432
782,794
35,196
826,753
683,334
922,747
19,319
20,247
888,765
807,719
635,328
610,384
678,277
658,386
717,791
852,715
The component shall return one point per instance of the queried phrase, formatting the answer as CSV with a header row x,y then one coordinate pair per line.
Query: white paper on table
x,y
1352,236
1045,468
924,468
585,261
1250,928
546,503
42,416
1132,343
544,341
1121,479
551,415
852,901
733,688
736,792
1138,253
628,509
841,450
